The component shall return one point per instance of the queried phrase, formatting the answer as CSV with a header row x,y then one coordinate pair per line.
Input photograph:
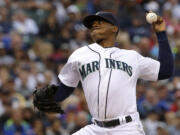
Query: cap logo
x,y
97,13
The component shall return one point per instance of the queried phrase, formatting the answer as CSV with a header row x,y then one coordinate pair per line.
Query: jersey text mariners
x,y
110,63
108,77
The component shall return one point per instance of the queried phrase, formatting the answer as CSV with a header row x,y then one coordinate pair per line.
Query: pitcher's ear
x,y
115,29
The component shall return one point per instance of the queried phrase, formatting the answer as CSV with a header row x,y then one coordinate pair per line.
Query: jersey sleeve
x,y
69,75
148,68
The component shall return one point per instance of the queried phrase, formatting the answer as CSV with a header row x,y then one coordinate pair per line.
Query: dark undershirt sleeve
x,y
165,57
63,92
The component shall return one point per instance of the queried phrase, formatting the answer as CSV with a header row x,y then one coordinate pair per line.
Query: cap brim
x,y
88,20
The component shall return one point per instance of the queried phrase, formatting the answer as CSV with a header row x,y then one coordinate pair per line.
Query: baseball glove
x,y
44,99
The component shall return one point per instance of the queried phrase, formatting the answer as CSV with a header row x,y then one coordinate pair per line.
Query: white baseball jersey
x,y
108,77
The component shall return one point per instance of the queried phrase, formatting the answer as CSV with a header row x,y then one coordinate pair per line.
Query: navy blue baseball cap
x,y
105,16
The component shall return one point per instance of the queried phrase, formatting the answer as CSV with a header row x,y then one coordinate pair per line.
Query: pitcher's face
x,y
101,30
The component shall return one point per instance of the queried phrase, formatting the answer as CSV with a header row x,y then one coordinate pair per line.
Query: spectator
x,y
151,123
178,123
49,77
16,41
56,128
149,104
161,130
50,29
164,98
170,119
7,109
80,122
48,119
39,48
80,39
16,98
70,118
38,127
29,115
144,46
24,84
5,22
73,13
61,11
5,58
138,29
140,88
15,125
174,6
23,24
175,107
4,75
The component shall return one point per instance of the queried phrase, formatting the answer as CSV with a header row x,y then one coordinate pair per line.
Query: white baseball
x,y
151,17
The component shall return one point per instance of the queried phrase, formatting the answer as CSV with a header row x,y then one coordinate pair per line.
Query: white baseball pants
x,y
132,128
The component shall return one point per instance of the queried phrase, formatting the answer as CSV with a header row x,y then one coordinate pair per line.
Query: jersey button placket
x,y
103,85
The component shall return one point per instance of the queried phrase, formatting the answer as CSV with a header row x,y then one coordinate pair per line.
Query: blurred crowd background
x,y
36,38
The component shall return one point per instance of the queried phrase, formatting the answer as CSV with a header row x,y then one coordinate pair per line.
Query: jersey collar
x,y
98,48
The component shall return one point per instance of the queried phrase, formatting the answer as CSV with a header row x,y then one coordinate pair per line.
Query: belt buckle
x,y
100,123
128,119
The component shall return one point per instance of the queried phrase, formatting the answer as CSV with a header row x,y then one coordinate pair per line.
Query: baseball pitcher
x,y
108,76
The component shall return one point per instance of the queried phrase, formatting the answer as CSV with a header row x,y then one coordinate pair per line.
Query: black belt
x,y
112,123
